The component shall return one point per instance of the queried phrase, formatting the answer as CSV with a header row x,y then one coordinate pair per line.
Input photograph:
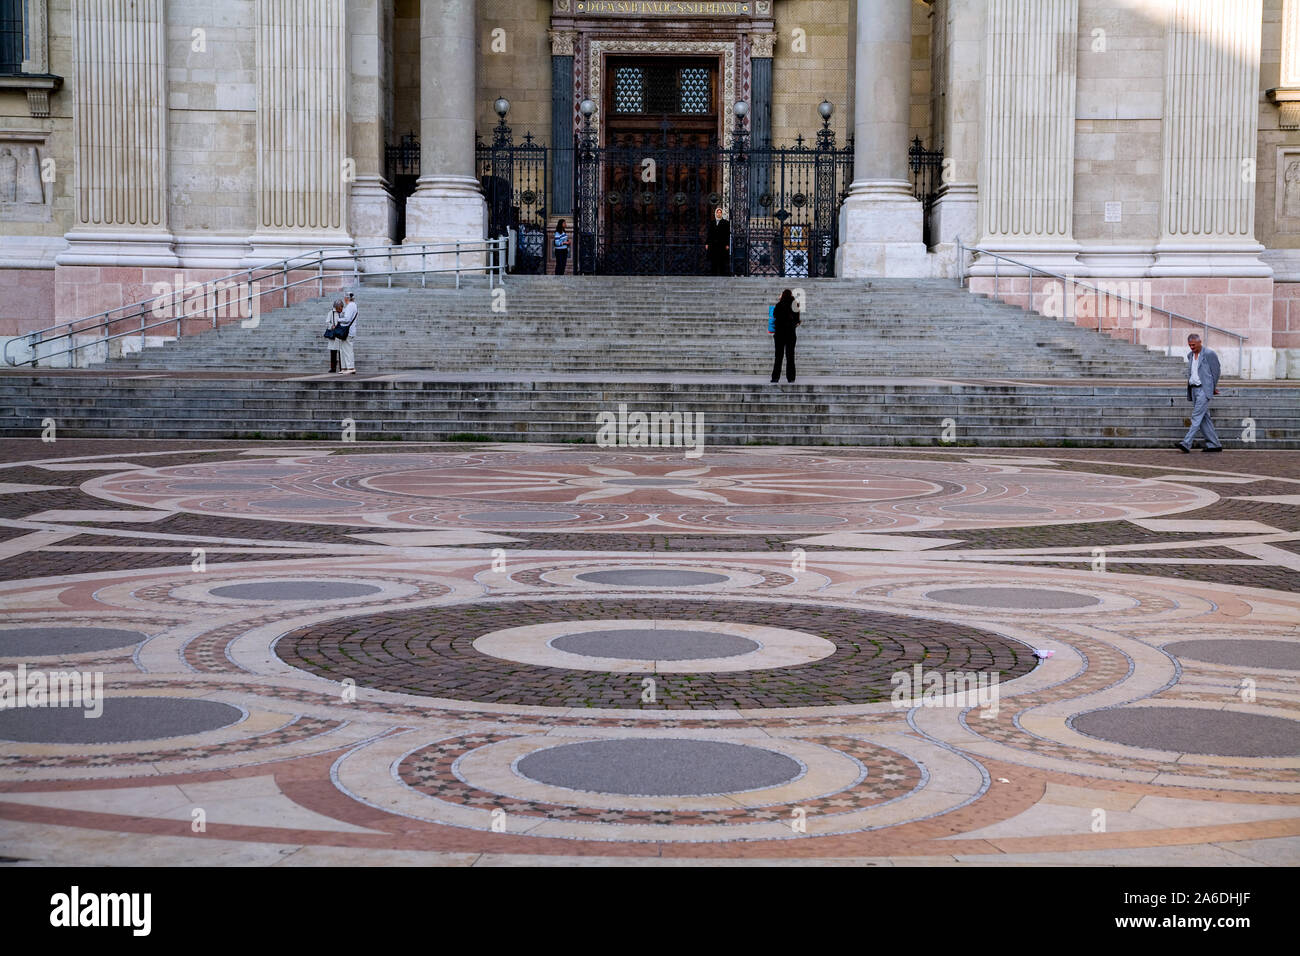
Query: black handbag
x,y
339,332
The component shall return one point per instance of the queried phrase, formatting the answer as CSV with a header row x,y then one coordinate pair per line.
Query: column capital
x,y
563,42
762,45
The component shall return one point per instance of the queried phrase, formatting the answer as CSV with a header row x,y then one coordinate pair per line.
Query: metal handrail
x,y
495,267
1031,269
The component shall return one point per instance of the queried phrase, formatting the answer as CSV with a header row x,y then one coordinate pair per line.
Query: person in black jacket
x,y
786,319
718,243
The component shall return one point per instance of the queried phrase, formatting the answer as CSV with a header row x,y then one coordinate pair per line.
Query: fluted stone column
x,y
956,213
880,223
302,128
120,135
1026,177
1207,221
372,207
448,203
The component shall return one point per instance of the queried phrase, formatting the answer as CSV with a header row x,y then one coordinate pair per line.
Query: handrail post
x,y
424,266
320,273
457,263
997,260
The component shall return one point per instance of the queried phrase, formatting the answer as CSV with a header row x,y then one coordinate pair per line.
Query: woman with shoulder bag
x,y
329,335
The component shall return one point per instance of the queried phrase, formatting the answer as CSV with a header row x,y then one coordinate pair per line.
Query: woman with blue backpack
x,y
784,320
561,241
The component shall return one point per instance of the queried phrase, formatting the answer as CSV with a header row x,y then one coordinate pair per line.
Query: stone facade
x,y
1155,142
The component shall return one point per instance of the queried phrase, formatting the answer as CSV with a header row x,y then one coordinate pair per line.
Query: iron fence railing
x,y
240,294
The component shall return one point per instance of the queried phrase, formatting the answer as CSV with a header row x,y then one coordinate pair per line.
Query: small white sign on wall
x,y
1114,212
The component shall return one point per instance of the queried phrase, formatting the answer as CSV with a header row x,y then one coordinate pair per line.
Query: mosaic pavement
x,y
506,653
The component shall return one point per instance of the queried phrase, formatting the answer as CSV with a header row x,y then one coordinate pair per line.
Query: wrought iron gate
x,y
927,175
643,204
514,181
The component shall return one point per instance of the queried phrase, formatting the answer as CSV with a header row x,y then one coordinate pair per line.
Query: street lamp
x,y
826,135
501,135
739,139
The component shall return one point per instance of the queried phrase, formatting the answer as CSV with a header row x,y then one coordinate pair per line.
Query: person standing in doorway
x,y
718,244
561,245
786,319
1202,385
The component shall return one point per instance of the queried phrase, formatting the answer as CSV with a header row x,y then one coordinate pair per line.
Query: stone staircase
x,y
198,406
644,325
881,363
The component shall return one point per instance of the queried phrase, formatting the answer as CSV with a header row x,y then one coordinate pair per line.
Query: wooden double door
x,y
661,165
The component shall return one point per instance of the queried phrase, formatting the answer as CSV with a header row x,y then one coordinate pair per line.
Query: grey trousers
x,y
1201,419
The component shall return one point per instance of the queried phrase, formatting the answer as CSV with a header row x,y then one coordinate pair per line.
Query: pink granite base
x,y
26,300
1248,307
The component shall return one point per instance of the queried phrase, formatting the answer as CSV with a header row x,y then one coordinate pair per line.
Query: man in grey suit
x,y
1202,383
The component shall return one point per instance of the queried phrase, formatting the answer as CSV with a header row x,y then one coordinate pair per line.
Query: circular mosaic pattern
x,y
46,641
123,719
612,491
1194,730
652,578
1280,655
740,647
660,645
432,652
1020,599
295,590
659,767
464,781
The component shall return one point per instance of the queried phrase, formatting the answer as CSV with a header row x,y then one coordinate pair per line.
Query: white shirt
x,y
1195,377
350,318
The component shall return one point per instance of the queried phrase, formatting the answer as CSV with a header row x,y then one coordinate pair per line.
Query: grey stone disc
x,y
295,590
1025,599
652,578
42,641
659,767
1192,730
637,644
123,719
1282,655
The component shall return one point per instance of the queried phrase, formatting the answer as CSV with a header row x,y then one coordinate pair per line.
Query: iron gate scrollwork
x,y
514,180
927,175
643,203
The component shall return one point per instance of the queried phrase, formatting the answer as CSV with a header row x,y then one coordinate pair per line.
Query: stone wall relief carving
x,y
24,197
1288,191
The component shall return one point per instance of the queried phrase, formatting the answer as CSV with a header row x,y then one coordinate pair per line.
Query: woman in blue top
x,y
561,248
